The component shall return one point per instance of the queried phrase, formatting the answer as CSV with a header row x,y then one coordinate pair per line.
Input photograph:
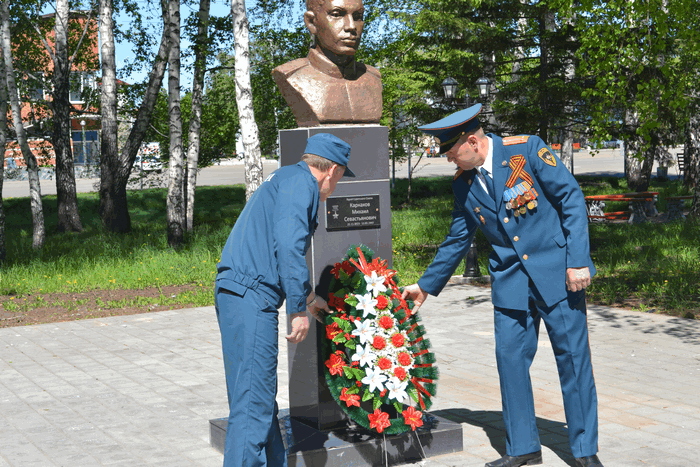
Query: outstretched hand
x,y
318,308
415,293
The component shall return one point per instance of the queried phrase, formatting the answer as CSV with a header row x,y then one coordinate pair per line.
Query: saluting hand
x,y
577,278
415,293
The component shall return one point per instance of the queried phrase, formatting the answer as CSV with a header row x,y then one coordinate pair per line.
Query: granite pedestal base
x,y
354,446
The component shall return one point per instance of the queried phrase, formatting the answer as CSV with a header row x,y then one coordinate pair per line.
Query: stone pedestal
x,y
315,429
352,446
309,398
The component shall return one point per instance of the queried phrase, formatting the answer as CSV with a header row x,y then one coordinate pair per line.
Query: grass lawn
x,y
652,266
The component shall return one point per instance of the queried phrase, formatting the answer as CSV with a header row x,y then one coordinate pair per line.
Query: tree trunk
x,y
244,99
200,50
109,161
32,168
691,176
546,26
567,150
114,210
67,199
176,200
3,142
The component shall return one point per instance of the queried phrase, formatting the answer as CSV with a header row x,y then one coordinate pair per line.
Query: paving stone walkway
x,y
140,390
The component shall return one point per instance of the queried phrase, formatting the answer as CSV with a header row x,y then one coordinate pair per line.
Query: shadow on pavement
x,y
553,434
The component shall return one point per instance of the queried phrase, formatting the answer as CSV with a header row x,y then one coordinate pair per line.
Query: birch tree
x,y
176,200
37,209
3,142
67,199
244,98
108,96
200,59
114,210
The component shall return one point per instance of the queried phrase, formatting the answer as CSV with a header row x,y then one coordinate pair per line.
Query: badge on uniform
x,y
547,157
477,211
521,197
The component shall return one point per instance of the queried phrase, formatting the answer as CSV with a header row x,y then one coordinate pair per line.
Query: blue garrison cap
x,y
449,129
330,147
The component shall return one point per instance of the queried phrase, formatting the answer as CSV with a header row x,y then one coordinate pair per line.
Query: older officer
x,y
532,211
262,264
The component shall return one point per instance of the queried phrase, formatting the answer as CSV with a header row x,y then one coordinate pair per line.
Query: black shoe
x,y
588,461
534,458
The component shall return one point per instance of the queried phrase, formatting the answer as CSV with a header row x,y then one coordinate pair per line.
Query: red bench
x,y
642,205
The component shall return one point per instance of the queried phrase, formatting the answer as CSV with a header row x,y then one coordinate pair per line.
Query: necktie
x,y
489,183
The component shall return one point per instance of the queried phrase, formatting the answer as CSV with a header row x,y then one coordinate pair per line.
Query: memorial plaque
x,y
352,212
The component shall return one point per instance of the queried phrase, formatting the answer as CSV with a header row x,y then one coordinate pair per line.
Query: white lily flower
x,y
366,303
364,331
375,379
397,389
375,284
364,355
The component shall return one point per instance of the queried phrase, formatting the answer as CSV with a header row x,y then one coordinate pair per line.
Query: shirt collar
x,y
488,162
323,64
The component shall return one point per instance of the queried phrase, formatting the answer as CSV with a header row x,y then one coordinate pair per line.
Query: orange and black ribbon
x,y
517,165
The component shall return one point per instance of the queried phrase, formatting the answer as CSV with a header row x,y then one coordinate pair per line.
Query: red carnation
x,y
379,420
412,418
335,364
400,373
348,267
386,322
404,359
332,330
384,363
336,270
349,399
382,302
397,340
378,343
336,302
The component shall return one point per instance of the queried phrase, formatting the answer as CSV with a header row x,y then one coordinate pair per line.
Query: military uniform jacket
x,y
268,244
536,246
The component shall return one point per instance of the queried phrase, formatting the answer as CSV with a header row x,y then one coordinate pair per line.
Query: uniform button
x,y
525,257
504,163
516,238
506,220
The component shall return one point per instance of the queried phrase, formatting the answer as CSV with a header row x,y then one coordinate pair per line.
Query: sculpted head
x,y
336,24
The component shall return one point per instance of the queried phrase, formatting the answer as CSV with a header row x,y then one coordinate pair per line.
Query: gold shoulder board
x,y
510,140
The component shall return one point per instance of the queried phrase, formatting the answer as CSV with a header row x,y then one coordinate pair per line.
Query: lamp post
x,y
450,87
85,158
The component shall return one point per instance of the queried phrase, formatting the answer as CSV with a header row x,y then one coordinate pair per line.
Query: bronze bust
x,y
328,86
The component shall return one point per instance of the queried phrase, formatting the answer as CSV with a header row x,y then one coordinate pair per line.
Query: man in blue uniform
x,y
533,213
262,264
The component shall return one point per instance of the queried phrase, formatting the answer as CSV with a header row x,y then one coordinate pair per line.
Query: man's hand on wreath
x,y
415,293
300,327
317,308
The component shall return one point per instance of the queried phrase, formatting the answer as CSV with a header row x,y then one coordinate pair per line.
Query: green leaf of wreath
x,y
367,395
376,403
343,324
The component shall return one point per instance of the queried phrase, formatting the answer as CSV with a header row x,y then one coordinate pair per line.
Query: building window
x,y
85,152
81,82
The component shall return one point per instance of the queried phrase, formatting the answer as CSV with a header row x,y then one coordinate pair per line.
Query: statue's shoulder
x,y
289,68
373,71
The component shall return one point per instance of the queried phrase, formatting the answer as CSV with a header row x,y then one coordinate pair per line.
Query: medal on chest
x,y
521,197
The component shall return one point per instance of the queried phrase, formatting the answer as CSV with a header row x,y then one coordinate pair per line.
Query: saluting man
x,y
262,264
533,213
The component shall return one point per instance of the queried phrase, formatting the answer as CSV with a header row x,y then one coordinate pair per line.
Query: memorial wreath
x,y
378,363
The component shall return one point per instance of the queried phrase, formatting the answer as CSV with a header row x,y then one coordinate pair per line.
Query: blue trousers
x,y
516,334
248,325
